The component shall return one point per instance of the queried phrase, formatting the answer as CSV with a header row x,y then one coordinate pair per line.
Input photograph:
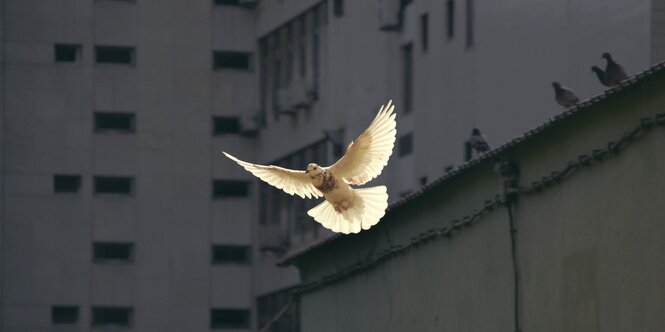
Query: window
x,y
405,145
227,2
230,188
229,318
114,185
114,55
104,252
230,254
66,183
424,33
407,79
289,54
263,78
302,47
225,125
67,53
112,316
267,306
338,7
469,24
114,121
64,314
231,60
450,19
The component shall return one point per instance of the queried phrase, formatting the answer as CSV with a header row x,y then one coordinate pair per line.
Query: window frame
x,y
94,311
245,311
131,257
75,321
246,252
219,195
131,49
132,185
132,121
79,181
217,62
77,53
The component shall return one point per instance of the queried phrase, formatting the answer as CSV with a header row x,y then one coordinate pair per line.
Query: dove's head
x,y
596,70
475,131
314,170
556,85
607,56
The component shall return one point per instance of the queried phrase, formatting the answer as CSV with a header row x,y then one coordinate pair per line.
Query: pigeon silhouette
x,y
478,141
564,96
614,72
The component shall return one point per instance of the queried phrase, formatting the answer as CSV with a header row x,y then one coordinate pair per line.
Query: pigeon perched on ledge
x,y
601,76
614,72
564,96
345,209
478,141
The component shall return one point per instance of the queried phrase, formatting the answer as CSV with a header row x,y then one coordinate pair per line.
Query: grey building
x,y
117,207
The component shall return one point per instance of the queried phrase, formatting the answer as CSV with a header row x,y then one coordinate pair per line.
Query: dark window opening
x,y
64,314
230,254
225,125
424,33
423,180
227,2
407,80
469,24
112,316
229,318
338,7
114,55
231,60
114,185
405,145
67,53
66,183
118,122
113,251
230,188
450,18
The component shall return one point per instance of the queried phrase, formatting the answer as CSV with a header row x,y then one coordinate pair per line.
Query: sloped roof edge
x,y
294,254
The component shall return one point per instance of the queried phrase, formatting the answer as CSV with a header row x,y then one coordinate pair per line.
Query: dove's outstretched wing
x,y
291,181
367,155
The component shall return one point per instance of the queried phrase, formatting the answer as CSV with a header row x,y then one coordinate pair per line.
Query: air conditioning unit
x,y
249,3
299,96
389,15
285,102
249,123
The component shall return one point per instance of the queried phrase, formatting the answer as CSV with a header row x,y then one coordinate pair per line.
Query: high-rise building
x,y
117,206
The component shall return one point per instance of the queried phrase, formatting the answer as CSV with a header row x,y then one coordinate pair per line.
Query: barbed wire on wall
x,y
545,182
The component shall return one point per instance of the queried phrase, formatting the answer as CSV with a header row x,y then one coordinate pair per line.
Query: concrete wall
x,y
588,248
171,218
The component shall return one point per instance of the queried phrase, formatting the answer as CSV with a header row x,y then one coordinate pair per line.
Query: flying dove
x,y
564,96
478,141
601,76
345,209
614,72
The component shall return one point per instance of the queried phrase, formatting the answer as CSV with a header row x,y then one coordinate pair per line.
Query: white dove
x,y
345,209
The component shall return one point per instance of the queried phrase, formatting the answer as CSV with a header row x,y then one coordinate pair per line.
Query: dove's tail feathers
x,y
368,207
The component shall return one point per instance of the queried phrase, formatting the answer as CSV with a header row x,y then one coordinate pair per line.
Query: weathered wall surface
x,y
590,248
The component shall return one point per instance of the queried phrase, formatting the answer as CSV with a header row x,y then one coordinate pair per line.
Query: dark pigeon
x,y
601,76
478,142
614,72
564,96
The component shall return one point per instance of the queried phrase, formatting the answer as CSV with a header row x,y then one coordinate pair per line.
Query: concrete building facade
x,y
117,207
587,244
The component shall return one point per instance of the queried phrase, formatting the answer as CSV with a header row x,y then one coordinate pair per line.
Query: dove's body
x,y
345,209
